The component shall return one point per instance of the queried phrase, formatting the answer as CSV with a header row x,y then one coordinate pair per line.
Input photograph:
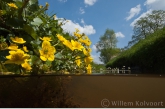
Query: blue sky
x,y
93,17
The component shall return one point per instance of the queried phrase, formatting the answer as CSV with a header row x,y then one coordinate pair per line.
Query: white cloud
x,y
96,59
155,4
82,21
119,34
70,27
94,48
63,1
133,11
90,2
81,10
142,15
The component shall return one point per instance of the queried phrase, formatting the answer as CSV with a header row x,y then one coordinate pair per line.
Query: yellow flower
x,y
89,69
68,44
25,49
47,5
77,34
78,61
13,47
3,46
12,5
54,17
17,57
1,12
26,66
89,50
40,6
61,38
85,52
46,38
47,52
88,59
46,44
77,45
18,40
77,30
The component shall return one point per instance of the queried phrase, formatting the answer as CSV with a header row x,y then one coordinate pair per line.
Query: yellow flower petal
x,y
51,58
88,60
46,44
78,61
13,47
26,66
68,44
12,5
89,69
18,40
25,49
46,39
77,45
43,58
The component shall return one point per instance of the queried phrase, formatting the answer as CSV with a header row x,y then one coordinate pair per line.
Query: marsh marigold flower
x,y
12,5
46,39
78,61
25,49
40,6
26,66
18,40
86,52
88,60
13,47
61,38
17,57
89,69
77,45
47,52
68,44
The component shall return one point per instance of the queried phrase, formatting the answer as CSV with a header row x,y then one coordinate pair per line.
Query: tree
x,y
107,46
147,25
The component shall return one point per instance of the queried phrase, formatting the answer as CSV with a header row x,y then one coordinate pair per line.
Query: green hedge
x,y
148,54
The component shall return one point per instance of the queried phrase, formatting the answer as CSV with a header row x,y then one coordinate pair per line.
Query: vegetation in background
x,y
97,67
146,51
148,55
147,25
107,46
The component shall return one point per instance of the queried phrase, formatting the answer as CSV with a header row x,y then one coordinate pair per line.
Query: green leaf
x,y
58,55
37,21
30,31
15,22
33,2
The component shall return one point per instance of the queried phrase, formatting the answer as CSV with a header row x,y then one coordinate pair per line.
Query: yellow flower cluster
x,y
73,45
12,5
81,43
18,56
47,52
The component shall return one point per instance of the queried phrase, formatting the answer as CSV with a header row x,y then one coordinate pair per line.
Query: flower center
x,y
17,56
46,51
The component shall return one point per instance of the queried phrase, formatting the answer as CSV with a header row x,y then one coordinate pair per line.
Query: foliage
x,y
147,25
148,54
107,46
34,42
96,67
